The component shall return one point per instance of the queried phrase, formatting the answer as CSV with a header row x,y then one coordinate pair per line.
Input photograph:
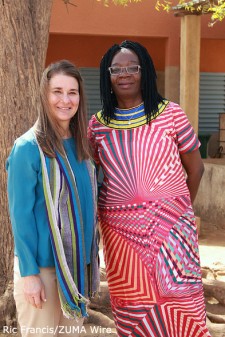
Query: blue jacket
x,y
27,203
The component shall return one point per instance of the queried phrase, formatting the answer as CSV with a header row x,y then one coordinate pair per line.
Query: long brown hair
x,y
47,131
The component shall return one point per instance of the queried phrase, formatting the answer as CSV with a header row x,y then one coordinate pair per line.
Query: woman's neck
x,y
65,133
67,136
129,103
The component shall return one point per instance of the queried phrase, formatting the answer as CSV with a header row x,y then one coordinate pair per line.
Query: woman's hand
x,y
34,291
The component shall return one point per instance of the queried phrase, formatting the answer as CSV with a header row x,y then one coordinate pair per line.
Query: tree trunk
x,y
215,289
24,27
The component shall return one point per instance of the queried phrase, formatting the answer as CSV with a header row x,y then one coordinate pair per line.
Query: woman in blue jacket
x,y
52,203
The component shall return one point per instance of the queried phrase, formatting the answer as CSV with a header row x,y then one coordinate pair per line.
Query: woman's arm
x,y
22,167
194,167
22,179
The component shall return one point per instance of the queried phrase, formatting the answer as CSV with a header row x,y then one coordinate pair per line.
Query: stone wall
x,y
210,201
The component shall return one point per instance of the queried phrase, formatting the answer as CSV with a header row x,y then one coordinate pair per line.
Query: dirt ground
x,y
212,255
211,244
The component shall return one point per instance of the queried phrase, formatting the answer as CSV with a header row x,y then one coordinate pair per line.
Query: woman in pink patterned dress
x,y
142,143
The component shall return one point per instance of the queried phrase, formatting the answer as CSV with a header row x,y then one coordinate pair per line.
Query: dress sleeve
x,y
92,139
186,137
22,168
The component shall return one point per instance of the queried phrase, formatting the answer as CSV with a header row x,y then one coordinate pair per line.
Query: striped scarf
x,y
67,235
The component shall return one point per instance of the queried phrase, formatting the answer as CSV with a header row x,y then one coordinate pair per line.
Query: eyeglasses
x,y
130,70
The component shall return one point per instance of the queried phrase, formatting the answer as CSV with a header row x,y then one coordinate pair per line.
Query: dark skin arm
x,y
194,167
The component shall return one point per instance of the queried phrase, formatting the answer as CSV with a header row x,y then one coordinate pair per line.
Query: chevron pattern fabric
x,y
148,225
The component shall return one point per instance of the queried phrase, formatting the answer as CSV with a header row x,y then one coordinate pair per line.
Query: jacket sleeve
x,y
22,168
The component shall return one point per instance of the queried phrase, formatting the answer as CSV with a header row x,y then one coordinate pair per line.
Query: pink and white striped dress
x,y
148,226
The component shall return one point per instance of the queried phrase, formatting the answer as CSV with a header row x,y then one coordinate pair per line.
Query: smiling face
x,y
126,87
63,98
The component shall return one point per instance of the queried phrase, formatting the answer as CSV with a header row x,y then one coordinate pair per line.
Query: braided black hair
x,y
150,95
